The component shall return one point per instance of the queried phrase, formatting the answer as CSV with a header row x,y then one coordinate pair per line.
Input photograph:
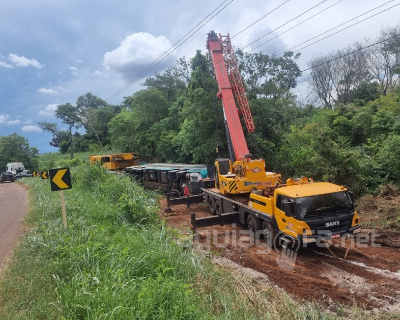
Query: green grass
x,y
116,260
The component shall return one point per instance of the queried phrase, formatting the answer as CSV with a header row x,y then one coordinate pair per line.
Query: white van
x,y
15,167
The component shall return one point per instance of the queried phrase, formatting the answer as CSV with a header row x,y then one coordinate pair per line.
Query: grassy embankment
x,y
116,261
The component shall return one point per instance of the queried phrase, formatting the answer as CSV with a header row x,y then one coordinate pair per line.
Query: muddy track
x,y
369,277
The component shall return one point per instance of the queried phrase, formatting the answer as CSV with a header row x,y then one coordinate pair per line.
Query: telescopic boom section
x,y
226,95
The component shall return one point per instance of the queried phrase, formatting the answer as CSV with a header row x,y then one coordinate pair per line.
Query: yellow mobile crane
x,y
299,211
115,161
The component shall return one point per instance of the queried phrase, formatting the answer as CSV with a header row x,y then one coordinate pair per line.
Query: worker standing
x,y
186,192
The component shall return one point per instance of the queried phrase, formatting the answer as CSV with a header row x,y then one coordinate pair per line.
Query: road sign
x,y
34,173
45,175
60,179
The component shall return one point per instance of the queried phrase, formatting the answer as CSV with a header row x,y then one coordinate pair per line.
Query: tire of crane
x,y
211,205
253,224
218,209
269,234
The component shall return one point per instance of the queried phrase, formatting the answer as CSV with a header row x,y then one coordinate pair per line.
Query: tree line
x,y
351,73
16,148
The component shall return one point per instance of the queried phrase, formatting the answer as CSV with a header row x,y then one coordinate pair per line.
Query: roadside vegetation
x,y
117,260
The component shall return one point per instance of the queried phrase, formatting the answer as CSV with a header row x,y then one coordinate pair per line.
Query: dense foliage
x,y
15,148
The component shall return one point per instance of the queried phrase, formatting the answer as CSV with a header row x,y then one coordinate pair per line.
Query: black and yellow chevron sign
x,y
60,179
45,175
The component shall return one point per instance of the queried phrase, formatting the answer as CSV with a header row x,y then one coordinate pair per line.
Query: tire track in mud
x,y
369,277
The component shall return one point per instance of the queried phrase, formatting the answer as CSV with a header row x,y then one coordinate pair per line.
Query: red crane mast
x,y
230,87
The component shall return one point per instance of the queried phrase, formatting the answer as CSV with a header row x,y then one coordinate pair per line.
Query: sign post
x,y
60,179
64,213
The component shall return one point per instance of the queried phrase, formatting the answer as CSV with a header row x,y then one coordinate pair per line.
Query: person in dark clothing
x,y
187,193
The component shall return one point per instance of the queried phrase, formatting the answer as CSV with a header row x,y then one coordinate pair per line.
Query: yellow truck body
x,y
115,161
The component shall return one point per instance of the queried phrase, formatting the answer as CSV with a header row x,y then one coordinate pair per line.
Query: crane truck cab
x,y
304,212
243,176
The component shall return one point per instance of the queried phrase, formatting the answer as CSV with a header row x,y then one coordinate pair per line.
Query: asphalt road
x,y
13,207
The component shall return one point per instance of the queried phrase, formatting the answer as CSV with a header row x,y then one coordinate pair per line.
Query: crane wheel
x,y
253,224
211,205
218,210
269,234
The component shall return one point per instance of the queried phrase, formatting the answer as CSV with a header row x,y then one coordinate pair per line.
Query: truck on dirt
x,y
298,212
15,167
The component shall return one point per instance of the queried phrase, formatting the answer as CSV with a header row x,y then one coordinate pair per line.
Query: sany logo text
x,y
331,224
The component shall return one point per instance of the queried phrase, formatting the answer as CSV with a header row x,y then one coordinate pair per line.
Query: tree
x,y
384,59
60,137
388,158
94,114
201,115
122,131
15,148
90,101
335,76
270,77
69,115
173,81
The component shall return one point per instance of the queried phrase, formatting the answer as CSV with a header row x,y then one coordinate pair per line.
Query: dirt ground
x,y
369,276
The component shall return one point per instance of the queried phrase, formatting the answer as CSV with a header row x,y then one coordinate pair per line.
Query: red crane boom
x,y
230,87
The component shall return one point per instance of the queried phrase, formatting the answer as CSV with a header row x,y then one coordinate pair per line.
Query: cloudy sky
x,y
51,52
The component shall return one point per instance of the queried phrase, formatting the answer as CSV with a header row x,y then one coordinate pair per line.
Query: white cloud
x,y
6,65
24,62
97,73
74,70
49,110
136,52
4,118
28,121
47,91
79,61
31,128
51,90
12,122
